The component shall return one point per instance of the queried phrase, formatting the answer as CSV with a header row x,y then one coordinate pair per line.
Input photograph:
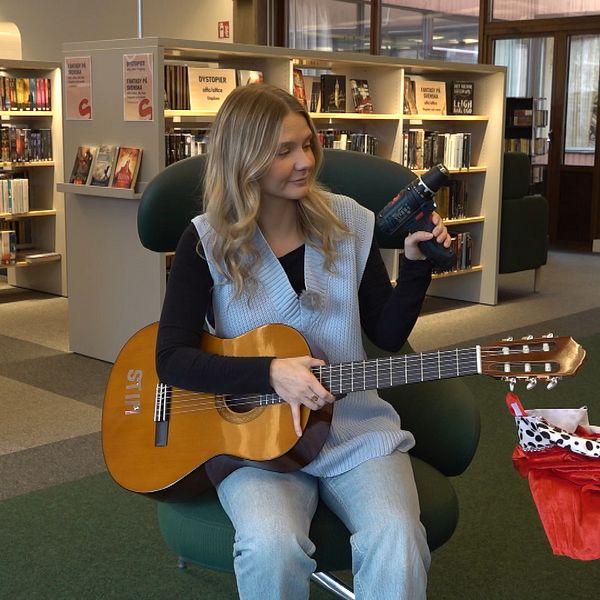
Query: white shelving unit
x,y
116,286
46,213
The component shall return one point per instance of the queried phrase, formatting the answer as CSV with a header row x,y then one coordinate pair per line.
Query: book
x,y
103,165
430,97
315,95
82,167
522,117
209,87
410,102
333,93
127,166
361,96
299,90
248,77
8,247
460,97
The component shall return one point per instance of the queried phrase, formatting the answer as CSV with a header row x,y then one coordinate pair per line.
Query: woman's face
x,y
288,176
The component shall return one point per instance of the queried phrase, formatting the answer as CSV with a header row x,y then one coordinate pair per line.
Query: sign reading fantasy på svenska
x,y
430,97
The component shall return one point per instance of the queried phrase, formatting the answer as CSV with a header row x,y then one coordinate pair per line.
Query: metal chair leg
x,y
536,279
333,584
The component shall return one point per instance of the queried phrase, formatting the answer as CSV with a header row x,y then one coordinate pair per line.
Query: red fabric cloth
x,y
566,489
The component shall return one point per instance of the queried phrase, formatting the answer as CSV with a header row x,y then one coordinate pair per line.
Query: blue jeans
x,y
378,503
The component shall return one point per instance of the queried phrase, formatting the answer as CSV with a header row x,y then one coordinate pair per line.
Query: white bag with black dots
x,y
543,428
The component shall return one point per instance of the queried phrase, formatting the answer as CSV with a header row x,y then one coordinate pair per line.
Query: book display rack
x,y
101,321
526,130
30,166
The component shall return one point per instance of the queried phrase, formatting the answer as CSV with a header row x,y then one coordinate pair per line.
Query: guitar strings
x,y
375,371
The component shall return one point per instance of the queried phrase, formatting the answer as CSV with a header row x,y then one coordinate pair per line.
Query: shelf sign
x,y
223,29
78,86
138,97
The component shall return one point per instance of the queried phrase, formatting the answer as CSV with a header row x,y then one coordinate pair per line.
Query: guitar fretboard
x,y
391,371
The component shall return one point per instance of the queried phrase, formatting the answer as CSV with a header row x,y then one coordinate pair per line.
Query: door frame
x,y
560,30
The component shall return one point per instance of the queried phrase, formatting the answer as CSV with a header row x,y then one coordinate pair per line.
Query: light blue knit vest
x,y
327,314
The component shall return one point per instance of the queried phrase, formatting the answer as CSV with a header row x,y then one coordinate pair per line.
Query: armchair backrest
x,y
174,196
516,175
524,218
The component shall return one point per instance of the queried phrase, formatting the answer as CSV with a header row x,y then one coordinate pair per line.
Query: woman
x,y
274,247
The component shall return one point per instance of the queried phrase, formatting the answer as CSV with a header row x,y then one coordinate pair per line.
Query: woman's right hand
x,y
293,381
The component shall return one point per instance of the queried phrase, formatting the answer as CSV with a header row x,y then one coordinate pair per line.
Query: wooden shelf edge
x,y
26,165
463,171
464,221
22,264
171,113
356,116
106,192
4,114
436,117
475,269
27,215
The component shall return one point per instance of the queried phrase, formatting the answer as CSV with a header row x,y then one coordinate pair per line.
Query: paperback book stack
x,y
180,144
106,165
423,149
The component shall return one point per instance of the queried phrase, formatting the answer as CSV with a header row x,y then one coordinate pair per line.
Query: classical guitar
x,y
172,443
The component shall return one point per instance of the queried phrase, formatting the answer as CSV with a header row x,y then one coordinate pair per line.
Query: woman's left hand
x,y
439,233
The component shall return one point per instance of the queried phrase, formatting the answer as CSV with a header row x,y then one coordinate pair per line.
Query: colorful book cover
x,y
410,102
299,89
83,163
360,96
127,167
461,97
333,93
247,77
103,165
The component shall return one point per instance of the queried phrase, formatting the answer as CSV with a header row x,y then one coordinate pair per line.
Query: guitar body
x,y
204,438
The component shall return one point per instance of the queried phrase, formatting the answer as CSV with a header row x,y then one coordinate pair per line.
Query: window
x,y
515,10
430,30
335,25
420,29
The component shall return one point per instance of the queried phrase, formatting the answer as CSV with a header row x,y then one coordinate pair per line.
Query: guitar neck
x,y
396,370
379,373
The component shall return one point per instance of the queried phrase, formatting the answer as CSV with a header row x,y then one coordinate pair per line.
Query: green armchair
x,y
442,414
524,220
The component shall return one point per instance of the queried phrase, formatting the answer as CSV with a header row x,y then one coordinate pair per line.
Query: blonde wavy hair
x,y
243,142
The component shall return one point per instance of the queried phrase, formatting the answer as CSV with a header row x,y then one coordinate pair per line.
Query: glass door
x,y
529,63
577,183
560,74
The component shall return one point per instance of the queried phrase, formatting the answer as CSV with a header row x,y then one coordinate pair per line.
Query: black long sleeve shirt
x,y
387,316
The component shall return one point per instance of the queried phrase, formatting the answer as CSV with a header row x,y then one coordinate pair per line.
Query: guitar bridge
x,y
162,406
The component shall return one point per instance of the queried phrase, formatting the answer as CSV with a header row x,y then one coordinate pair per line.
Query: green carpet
x,y
89,539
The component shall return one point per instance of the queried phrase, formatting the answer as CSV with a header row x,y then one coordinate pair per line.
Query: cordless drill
x,y
410,210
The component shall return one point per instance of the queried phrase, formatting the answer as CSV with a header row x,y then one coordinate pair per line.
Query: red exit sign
x,y
223,29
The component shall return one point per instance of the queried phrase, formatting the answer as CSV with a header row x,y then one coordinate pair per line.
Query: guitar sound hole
x,y
239,404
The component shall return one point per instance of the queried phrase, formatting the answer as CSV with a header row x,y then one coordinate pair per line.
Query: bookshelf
x,y
116,286
526,130
41,228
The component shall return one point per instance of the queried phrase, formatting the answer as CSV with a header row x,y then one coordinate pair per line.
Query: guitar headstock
x,y
547,358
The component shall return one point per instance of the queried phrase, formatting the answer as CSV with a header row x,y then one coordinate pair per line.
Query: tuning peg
x,y
548,335
527,337
508,339
531,383
552,383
